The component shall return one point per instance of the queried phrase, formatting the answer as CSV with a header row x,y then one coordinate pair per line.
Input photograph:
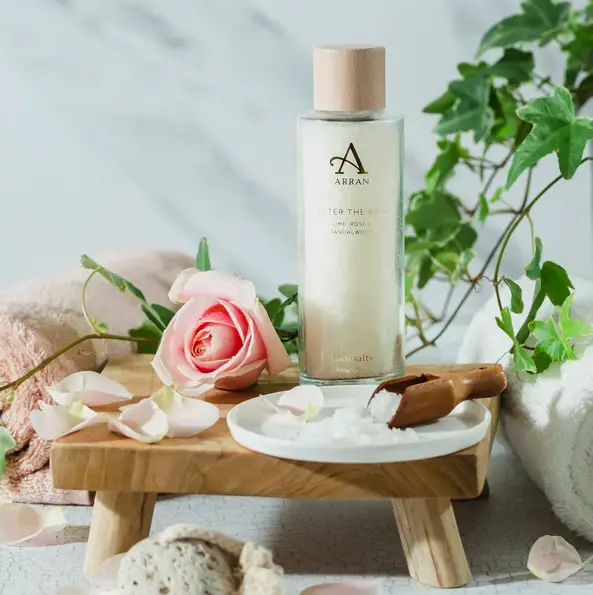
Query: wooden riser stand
x,y
128,475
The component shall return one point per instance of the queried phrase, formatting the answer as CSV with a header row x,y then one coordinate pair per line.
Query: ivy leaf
x,y
497,195
288,289
571,71
515,66
555,282
505,323
272,307
448,261
472,111
484,208
442,168
464,239
555,130
203,256
533,270
571,327
147,330
468,70
506,122
550,340
584,91
523,360
579,49
465,259
122,284
517,305
434,210
537,18
425,273
542,360
441,104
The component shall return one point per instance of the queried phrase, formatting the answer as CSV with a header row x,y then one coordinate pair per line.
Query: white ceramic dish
x,y
255,425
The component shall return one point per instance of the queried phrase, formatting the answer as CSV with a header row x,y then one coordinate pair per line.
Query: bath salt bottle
x,y
350,217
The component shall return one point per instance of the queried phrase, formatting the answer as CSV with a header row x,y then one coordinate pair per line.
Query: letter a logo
x,y
356,163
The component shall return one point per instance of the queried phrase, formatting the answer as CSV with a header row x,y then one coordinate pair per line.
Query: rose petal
x,y
196,390
106,576
305,400
242,377
186,417
25,525
53,422
144,422
91,388
553,559
192,283
278,358
373,587
238,317
172,344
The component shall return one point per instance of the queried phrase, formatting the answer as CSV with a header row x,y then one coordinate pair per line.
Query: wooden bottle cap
x,y
349,78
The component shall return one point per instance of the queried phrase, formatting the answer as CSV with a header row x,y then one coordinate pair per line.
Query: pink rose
x,y
222,336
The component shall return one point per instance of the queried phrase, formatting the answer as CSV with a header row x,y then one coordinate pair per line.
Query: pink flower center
x,y
215,342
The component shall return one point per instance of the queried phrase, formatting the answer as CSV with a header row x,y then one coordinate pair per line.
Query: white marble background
x,y
127,123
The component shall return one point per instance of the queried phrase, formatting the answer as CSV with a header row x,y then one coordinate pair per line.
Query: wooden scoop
x,y
426,397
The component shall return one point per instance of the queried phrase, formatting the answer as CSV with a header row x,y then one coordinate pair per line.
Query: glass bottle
x,y
350,218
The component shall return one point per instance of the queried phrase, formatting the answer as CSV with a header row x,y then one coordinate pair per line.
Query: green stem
x,y
524,213
83,307
538,299
280,312
90,337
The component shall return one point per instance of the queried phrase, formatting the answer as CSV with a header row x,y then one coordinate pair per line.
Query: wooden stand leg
x,y
120,520
431,542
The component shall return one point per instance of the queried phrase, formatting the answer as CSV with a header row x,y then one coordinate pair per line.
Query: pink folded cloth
x,y
36,319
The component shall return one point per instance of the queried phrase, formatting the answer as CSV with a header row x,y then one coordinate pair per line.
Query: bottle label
x,y
350,238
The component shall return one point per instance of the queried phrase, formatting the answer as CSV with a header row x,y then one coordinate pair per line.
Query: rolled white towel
x,y
548,419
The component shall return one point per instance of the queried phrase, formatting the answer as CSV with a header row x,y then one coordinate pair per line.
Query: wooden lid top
x,y
349,78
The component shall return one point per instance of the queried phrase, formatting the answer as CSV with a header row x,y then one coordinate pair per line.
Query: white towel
x,y
548,419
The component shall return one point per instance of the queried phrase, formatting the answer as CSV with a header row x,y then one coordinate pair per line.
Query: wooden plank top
x,y
213,463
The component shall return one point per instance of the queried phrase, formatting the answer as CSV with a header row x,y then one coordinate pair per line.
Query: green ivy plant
x,y
515,117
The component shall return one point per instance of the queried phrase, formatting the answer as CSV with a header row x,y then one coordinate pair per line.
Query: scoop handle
x,y
485,381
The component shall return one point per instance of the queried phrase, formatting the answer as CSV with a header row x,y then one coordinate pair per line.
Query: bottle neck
x,y
351,116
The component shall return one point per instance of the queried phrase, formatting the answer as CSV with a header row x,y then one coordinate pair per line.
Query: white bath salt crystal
x,y
384,405
354,427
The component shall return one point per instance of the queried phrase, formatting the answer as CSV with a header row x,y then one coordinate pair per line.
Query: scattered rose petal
x,y
186,416
553,559
25,525
54,421
144,421
373,587
106,576
91,388
305,400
